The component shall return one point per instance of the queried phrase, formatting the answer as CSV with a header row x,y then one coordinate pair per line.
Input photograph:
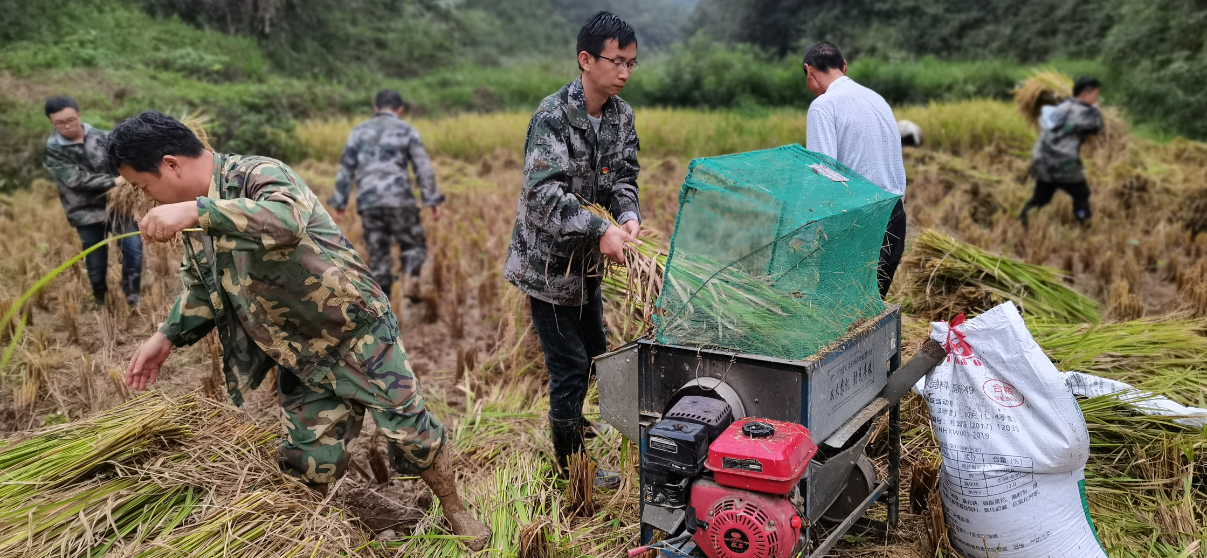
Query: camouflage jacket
x,y
377,154
274,274
80,173
1056,156
555,242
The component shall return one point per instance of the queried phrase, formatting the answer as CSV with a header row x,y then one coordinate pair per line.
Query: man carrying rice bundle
x,y
271,271
581,149
1056,157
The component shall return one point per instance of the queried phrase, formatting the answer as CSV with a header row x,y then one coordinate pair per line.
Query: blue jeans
x,y
98,261
570,336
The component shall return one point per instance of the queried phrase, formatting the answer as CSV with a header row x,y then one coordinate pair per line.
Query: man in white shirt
x,y
855,125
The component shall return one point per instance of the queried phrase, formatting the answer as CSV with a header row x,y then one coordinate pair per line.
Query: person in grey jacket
x,y
75,157
581,149
1056,158
375,159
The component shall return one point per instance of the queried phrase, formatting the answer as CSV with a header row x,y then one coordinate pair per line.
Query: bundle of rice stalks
x,y
632,288
1043,88
1144,481
126,201
1134,348
66,452
158,476
946,277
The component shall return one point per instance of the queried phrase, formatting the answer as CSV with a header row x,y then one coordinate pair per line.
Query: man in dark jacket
x,y
1056,157
581,149
75,157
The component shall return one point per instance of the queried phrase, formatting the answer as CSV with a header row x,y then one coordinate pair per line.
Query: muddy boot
x,y
567,435
442,481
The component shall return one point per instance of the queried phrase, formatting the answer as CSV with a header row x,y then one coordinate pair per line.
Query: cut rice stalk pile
x,y
1146,481
631,289
946,277
160,476
1167,356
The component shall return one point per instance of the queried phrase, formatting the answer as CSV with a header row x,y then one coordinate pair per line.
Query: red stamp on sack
x,y
1002,393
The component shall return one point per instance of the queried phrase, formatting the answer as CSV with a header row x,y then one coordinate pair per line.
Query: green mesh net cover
x,y
774,253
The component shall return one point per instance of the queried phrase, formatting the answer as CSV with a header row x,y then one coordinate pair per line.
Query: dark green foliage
x,y
1159,51
1026,31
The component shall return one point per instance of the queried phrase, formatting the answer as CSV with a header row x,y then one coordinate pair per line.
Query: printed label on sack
x,y
1002,393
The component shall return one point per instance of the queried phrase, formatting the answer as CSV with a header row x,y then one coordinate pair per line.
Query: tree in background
x,y
1159,53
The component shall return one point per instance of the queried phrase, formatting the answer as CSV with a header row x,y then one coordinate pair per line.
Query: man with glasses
x,y
581,149
75,157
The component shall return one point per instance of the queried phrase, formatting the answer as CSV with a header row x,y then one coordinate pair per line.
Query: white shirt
x,y
854,124
595,122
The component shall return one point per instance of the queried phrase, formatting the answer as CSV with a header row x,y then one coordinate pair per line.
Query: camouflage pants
x,y
322,418
383,227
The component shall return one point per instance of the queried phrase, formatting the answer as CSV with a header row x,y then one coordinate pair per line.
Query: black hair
x,y
388,99
141,142
1085,83
824,56
601,28
56,104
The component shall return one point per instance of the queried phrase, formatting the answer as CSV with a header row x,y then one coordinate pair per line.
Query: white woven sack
x,y
1013,440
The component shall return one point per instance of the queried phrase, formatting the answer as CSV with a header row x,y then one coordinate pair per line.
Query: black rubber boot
x,y
567,440
567,435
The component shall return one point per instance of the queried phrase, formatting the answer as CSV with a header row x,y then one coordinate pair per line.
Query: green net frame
x,y
774,253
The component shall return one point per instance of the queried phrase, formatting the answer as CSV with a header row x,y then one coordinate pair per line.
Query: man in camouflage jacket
x,y
581,149
377,154
1056,157
270,270
75,157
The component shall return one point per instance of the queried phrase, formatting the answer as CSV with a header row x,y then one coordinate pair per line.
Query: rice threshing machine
x,y
772,359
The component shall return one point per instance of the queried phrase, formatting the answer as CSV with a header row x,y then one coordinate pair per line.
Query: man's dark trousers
x,y
892,248
1079,191
97,262
570,336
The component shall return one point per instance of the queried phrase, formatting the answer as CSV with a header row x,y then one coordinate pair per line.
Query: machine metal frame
x,y
833,393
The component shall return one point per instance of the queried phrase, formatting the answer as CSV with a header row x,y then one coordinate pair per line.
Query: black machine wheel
x,y
860,483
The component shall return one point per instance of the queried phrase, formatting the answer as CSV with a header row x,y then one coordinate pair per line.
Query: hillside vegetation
x,y
259,66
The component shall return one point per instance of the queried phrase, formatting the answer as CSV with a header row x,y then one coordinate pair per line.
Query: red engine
x,y
743,524
745,512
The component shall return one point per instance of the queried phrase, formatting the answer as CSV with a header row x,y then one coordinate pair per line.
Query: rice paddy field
x,y
89,468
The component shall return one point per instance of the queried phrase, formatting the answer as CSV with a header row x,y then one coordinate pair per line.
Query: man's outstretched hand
x,y
162,223
613,241
149,356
